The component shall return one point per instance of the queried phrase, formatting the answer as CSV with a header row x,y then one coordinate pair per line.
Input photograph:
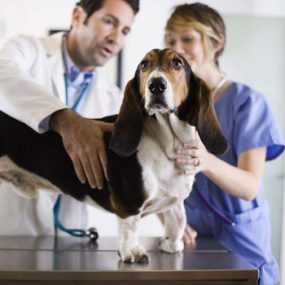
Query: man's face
x,y
104,33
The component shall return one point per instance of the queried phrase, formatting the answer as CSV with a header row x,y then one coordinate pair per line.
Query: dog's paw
x,y
135,254
170,246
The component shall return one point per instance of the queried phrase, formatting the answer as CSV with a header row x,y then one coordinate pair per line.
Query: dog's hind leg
x,y
130,250
23,182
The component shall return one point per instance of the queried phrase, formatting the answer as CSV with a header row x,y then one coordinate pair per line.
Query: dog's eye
x,y
176,63
144,65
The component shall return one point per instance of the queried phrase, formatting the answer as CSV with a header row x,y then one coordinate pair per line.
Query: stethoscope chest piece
x,y
92,234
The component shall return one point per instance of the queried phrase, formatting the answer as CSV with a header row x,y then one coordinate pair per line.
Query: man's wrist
x,y
59,119
105,127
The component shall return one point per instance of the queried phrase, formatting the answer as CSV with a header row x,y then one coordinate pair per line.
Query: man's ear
x,y
129,125
198,110
78,16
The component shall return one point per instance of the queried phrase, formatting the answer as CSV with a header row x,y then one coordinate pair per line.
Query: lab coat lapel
x,y
90,102
103,98
56,66
58,75
96,104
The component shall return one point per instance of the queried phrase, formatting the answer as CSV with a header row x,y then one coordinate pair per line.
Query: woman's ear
x,y
129,125
198,110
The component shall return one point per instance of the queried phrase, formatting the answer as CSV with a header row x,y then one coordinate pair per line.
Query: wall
x,y
255,55
33,16
257,59
148,30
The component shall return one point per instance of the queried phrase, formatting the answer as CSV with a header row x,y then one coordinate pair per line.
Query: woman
x,y
228,199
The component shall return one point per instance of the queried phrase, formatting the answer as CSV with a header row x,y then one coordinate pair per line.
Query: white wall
x,y
37,16
282,249
148,30
257,58
33,16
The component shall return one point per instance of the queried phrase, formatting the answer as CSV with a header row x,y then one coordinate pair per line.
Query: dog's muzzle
x,y
157,87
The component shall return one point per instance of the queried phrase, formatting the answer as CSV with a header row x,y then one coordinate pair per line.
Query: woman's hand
x,y
189,236
193,157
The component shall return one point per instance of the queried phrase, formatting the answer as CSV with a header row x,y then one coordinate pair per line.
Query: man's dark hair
x,y
91,6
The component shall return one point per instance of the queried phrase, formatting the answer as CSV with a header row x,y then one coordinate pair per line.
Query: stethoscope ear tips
x,y
92,234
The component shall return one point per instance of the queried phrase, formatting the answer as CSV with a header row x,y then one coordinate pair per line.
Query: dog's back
x,y
45,156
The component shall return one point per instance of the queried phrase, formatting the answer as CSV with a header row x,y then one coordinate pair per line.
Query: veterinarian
x,y
228,200
56,83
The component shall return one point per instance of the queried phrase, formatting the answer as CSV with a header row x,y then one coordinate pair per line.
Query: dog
x,y
162,106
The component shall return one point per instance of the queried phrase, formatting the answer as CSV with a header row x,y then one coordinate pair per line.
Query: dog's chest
x,y
156,154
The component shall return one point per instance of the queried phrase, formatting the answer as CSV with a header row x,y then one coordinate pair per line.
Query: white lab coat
x,y
32,88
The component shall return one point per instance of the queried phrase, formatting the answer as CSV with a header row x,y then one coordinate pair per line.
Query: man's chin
x,y
101,60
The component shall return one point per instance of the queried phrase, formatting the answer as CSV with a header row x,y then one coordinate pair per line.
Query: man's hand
x,y
83,141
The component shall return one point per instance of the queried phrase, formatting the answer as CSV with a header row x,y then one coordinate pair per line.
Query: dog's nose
x,y
157,85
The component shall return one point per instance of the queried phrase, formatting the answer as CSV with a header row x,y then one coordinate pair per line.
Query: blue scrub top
x,y
247,122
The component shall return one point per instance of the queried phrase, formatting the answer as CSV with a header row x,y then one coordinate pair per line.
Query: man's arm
x,y
21,95
84,143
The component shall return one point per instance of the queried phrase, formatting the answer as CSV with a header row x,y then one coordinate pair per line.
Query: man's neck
x,y
72,53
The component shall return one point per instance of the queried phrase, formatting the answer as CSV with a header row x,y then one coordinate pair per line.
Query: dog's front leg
x,y
174,221
130,250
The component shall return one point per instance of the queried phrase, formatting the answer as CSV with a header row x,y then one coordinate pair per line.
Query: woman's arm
x,y
241,181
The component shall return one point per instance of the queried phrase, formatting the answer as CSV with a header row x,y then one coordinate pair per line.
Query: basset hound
x,y
162,106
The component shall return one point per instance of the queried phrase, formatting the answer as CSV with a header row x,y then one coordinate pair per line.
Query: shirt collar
x,y
74,74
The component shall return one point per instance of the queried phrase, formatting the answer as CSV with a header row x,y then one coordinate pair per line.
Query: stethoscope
x,y
90,233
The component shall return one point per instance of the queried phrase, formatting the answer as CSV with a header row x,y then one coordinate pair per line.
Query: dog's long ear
x,y
129,125
198,110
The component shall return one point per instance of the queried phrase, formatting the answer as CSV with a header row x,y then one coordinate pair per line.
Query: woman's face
x,y
188,42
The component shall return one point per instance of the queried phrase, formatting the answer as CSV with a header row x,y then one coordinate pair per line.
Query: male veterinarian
x,y
56,83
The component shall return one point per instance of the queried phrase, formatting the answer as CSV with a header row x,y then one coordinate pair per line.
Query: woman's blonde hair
x,y
205,20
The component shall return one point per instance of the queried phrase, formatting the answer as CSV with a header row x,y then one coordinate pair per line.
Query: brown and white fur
x,y
163,105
